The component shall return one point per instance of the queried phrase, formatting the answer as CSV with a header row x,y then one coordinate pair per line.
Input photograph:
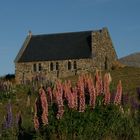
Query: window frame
x,y
34,67
39,67
74,65
69,65
51,66
57,66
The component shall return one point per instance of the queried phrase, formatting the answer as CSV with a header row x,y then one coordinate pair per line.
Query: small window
x,y
34,68
69,65
57,65
51,66
74,65
39,67
100,31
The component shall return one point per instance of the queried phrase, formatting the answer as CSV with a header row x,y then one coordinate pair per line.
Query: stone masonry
x,y
102,56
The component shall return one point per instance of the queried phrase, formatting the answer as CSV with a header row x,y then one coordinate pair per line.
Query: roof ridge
x,y
62,33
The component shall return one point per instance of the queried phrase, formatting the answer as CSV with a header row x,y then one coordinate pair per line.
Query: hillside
x,y
131,60
103,122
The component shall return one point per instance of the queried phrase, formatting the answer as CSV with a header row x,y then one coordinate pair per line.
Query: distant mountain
x,y
131,60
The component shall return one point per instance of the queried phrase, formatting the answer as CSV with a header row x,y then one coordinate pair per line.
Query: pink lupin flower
x,y
92,93
44,104
107,88
74,94
50,95
59,100
98,83
70,98
36,122
81,95
101,83
118,96
64,90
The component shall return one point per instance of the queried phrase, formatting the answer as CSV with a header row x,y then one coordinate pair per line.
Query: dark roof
x,y
57,47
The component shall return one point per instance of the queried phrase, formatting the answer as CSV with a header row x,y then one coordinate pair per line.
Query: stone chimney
x,y
30,33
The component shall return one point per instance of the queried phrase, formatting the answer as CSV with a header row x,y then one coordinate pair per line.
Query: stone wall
x,y
103,51
25,71
102,57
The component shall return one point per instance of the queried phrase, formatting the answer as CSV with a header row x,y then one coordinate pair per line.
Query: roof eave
x,y
24,46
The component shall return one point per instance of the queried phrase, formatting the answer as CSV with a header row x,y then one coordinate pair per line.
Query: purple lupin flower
x,y
8,119
112,97
19,120
4,124
125,99
134,103
9,116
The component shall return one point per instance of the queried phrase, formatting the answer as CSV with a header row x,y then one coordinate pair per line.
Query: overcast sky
x,y
17,17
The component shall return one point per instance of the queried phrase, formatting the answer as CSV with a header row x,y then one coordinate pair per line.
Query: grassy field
x,y
130,80
130,77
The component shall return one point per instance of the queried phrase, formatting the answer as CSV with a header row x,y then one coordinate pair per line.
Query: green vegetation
x,y
104,122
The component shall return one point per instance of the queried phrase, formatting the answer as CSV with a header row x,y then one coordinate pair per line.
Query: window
x,y
74,65
57,66
100,31
39,67
51,66
69,65
34,68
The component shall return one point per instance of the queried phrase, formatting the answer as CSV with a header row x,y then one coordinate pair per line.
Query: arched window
x,y
57,66
34,68
74,65
51,66
69,65
39,67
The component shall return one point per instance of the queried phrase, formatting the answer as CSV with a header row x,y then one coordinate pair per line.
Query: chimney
x,y
30,33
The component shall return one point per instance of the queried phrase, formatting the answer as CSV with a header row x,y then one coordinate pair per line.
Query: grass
x,y
130,80
130,77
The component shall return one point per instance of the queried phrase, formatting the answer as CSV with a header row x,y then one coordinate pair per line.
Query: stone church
x,y
64,54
